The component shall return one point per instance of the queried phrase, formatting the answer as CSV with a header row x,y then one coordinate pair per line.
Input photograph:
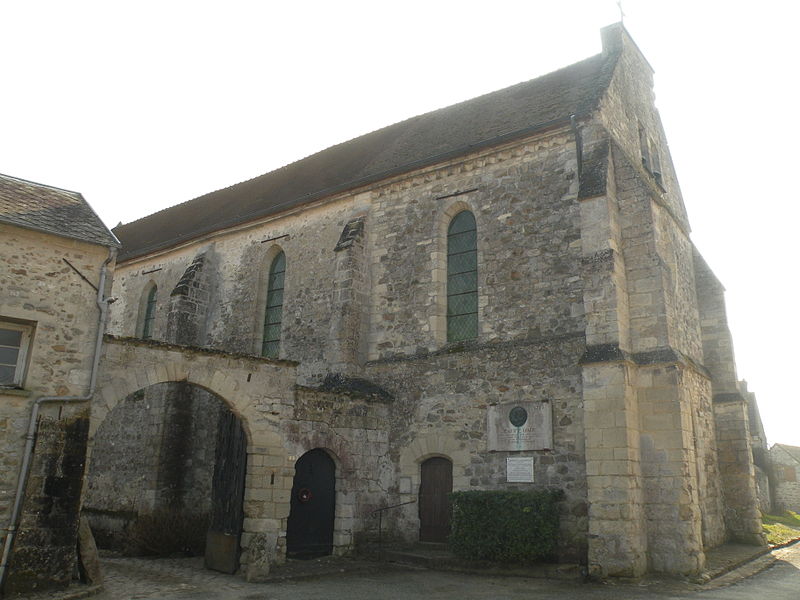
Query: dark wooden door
x,y
309,532
436,482
227,495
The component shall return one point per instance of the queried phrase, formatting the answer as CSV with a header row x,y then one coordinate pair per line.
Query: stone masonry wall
x,y
354,429
786,471
44,550
531,306
737,472
41,290
155,450
434,401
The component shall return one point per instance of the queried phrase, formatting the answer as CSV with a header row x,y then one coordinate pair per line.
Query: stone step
x,y
438,557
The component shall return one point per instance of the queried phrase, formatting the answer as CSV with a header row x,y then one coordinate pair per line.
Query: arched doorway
x,y
436,482
167,473
309,532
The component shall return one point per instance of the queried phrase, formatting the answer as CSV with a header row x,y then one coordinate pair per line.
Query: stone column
x,y
735,459
348,307
734,455
617,543
669,472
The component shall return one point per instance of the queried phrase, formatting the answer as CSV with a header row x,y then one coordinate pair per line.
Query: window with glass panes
x,y
462,278
149,313
271,340
13,350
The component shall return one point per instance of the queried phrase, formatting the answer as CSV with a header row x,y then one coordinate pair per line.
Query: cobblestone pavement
x,y
775,575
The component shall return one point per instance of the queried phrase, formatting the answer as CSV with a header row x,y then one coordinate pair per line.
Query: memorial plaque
x,y
519,469
520,426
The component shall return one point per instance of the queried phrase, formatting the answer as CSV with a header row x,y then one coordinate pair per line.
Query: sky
x,y
142,105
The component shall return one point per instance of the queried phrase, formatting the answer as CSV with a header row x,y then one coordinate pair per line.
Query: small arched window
x,y
462,278
149,313
271,340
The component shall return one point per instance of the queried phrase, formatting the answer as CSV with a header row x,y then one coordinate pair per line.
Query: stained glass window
x,y
149,314
462,278
271,340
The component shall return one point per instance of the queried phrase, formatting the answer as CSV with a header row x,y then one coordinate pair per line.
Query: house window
x,y
271,340
462,278
789,474
149,313
14,344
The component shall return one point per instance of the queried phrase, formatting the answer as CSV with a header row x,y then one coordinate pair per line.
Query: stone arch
x,y
439,266
130,381
253,388
443,444
156,455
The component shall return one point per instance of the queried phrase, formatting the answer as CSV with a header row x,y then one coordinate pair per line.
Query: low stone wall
x,y
44,550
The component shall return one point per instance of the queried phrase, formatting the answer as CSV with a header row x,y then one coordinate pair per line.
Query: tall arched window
x,y
149,313
462,278
271,340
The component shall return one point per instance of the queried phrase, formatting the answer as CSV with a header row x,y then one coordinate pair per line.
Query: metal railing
x,y
380,512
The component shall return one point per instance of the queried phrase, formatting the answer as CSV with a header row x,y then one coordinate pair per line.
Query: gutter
x,y
13,523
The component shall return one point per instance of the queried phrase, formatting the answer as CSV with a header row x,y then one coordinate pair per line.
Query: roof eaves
x,y
584,109
320,194
112,242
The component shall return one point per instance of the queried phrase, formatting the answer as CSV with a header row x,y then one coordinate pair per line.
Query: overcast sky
x,y
142,105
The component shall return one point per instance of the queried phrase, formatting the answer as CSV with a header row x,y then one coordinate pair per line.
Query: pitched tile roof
x,y
423,140
792,451
52,210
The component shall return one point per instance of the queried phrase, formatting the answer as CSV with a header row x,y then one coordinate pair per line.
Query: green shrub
x,y
508,526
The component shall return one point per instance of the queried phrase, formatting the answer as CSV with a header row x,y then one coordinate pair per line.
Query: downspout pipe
x,y
30,438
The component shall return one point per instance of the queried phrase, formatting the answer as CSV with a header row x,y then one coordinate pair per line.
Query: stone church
x,y
501,294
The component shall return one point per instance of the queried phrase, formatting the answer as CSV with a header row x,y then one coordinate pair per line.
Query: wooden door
x,y
436,482
227,495
309,531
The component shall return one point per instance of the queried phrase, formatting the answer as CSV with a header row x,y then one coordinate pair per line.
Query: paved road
x,y
138,579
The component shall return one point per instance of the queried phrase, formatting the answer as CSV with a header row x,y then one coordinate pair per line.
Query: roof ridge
x,y
44,185
417,141
375,131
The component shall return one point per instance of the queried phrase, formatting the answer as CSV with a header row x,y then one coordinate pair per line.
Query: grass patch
x,y
781,528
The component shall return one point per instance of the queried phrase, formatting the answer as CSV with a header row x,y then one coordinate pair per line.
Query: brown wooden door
x,y
436,482
227,495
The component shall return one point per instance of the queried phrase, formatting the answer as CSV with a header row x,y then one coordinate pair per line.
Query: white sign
x,y
519,469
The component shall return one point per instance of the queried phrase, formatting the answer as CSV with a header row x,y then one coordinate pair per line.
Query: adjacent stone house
x,y
501,294
786,471
54,255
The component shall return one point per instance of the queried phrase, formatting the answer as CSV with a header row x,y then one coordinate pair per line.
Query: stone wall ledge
x,y
476,346
606,353
134,341
728,397
7,391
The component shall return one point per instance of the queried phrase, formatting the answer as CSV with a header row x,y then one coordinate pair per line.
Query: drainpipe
x,y
30,437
